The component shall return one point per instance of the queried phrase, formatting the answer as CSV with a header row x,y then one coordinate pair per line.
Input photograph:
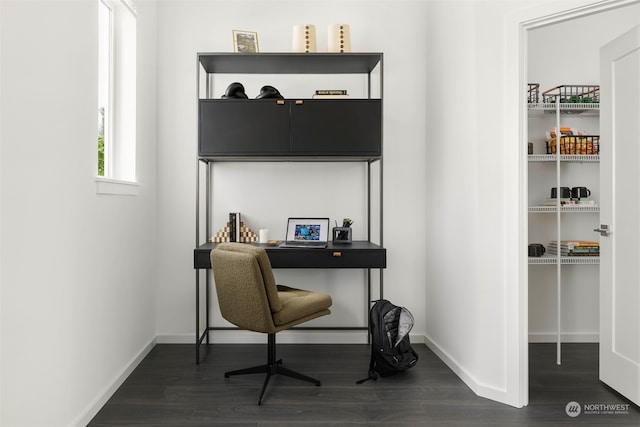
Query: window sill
x,y
116,187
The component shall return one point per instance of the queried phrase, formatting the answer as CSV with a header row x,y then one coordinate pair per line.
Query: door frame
x,y
516,127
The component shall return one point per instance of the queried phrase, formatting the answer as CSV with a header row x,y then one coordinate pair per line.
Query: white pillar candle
x,y
304,38
264,235
339,38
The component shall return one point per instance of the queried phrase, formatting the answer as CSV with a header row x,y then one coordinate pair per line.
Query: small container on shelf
x,y
342,235
572,94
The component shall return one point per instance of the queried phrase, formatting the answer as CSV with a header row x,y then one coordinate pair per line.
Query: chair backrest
x,y
245,285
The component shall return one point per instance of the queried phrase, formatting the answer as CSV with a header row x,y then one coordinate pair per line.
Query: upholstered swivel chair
x,y
250,299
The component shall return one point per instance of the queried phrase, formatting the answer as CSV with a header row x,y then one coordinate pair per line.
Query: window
x,y
105,84
117,90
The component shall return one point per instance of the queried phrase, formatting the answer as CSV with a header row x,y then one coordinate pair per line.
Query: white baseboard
x,y
96,404
548,337
495,393
482,390
176,339
417,339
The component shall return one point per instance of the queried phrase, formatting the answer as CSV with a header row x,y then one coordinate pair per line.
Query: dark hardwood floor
x,y
168,389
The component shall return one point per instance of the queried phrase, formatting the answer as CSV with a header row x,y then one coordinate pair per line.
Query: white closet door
x,y
620,215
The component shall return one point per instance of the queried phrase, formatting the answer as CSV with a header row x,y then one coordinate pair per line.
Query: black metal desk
x,y
359,254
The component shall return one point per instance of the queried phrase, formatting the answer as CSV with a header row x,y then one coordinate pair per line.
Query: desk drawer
x,y
357,255
328,258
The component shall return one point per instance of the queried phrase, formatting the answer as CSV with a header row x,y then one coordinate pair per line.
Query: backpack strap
x,y
373,375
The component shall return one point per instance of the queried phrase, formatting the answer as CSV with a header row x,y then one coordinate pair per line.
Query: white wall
x,y
467,285
77,279
577,43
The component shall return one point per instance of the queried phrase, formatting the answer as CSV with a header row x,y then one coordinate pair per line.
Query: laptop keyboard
x,y
304,245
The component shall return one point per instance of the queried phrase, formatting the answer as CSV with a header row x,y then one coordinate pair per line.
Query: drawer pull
x,y
280,102
337,254
299,101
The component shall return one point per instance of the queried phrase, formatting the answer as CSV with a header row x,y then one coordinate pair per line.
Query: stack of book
x,y
585,201
234,231
574,248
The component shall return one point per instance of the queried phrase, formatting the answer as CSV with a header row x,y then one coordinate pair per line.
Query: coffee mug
x,y
536,250
580,192
565,192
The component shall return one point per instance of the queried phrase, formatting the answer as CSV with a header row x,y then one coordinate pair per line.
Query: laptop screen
x,y
308,229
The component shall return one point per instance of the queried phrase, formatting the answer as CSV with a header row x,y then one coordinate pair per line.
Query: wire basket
x,y
586,145
533,94
572,94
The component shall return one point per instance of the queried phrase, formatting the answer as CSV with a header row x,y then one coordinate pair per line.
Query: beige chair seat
x,y
298,306
250,299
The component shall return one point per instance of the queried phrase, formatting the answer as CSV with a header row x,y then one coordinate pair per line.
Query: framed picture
x,y
245,41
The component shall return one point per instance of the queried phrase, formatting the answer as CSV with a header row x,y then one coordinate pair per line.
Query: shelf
x,y
550,108
290,130
563,209
562,167
289,63
358,254
293,158
552,259
580,158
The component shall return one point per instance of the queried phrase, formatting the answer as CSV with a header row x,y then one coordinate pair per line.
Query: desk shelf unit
x,y
297,129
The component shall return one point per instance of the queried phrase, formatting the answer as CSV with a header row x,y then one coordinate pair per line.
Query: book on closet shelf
x,y
563,252
572,253
575,248
585,247
578,243
553,202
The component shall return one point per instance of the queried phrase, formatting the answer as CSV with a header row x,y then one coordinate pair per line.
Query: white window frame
x,y
120,109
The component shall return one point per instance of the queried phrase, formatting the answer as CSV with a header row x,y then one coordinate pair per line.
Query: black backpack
x,y
391,351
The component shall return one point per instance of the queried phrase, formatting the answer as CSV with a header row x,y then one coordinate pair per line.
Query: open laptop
x,y
306,233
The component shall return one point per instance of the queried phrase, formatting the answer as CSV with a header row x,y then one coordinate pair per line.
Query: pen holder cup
x,y
342,235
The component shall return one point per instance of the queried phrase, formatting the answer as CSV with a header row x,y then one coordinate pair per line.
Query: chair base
x,y
273,367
